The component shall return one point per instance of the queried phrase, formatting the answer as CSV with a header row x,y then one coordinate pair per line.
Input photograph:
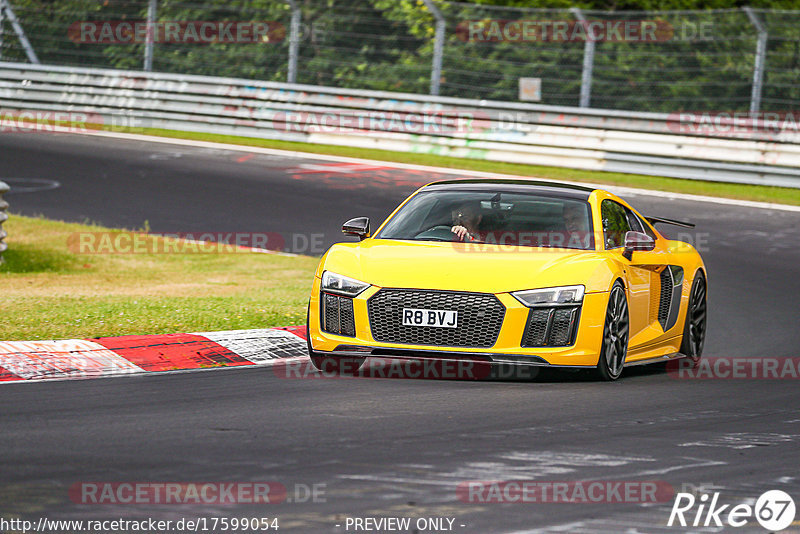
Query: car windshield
x,y
496,217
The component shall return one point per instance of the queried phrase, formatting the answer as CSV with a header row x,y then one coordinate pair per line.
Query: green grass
x,y
781,195
51,291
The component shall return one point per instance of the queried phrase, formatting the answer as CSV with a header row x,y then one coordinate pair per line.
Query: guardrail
x,y
766,153
3,218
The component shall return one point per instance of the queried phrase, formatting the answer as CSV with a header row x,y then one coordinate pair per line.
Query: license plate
x,y
438,318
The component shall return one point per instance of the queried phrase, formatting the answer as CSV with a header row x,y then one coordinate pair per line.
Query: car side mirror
x,y
637,241
358,227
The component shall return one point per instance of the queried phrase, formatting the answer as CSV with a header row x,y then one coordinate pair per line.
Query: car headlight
x,y
342,285
551,296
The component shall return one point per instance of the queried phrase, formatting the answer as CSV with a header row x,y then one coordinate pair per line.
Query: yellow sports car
x,y
509,271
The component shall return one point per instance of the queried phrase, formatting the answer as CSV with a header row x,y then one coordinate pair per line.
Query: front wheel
x,y
694,328
615,335
337,365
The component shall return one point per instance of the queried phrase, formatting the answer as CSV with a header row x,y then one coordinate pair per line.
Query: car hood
x,y
465,267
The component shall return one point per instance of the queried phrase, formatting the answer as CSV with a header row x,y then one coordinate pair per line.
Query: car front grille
x,y
551,327
337,314
480,317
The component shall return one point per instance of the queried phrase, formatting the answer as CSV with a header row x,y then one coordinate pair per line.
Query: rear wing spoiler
x,y
654,220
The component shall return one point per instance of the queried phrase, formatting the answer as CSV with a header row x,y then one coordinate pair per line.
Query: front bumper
x,y
506,349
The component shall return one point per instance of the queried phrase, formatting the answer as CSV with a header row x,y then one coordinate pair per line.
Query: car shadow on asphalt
x,y
459,371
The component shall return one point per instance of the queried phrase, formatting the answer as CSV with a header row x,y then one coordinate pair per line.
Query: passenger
x,y
575,219
577,225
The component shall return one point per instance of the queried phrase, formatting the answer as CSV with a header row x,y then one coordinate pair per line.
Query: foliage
x,y
704,61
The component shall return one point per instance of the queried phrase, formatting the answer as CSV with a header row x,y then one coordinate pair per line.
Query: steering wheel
x,y
440,232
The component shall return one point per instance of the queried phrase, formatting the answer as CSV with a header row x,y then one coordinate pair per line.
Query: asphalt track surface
x,y
392,447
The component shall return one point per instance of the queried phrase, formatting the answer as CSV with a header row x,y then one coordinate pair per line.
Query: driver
x,y
466,219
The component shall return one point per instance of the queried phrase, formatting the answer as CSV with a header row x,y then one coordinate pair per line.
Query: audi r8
x,y
516,272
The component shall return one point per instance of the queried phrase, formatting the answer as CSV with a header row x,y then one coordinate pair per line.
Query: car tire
x,y
614,347
694,327
336,365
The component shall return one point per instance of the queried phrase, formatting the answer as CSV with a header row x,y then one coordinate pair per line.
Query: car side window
x,y
638,224
633,221
645,227
615,224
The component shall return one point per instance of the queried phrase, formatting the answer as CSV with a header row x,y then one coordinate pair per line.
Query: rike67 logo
x,y
774,510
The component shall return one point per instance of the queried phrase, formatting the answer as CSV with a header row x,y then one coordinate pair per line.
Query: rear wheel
x,y
615,335
339,365
694,328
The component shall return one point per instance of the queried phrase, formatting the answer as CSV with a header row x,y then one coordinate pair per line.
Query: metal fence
x,y
734,60
32,97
